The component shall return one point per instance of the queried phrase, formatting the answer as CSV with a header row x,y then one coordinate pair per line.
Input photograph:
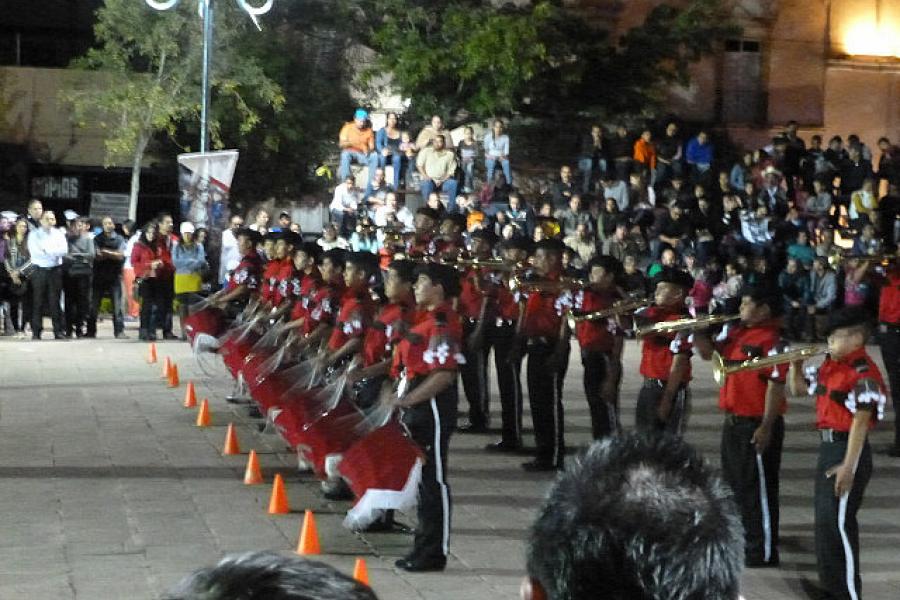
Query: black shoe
x,y
893,451
151,337
472,428
758,563
92,336
415,565
538,466
503,446
35,337
236,400
61,336
78,334
168,335
119,336
253,412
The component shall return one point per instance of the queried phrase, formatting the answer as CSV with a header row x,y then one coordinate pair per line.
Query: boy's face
x,y
845,340
600,277
330,271
669,295
546,262
280,250
354,276
751,312
301,261
395,287
426,291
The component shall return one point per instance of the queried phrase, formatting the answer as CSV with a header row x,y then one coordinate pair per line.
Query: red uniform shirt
x,y
432,344
419,246
353,319
889,304
248,272
471,294
744,392
389,325
268,286
302,287
841,387
596,336
658,351
323,306
544,312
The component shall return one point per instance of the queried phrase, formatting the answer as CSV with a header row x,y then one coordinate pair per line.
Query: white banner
x,y
205,184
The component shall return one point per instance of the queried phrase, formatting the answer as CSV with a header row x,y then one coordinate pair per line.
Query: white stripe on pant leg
x,y
848,549
439,473
517,401
764,504
555,421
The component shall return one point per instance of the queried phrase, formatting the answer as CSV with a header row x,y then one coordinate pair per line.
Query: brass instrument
x,y
619,308
666,327
836,260
491,264
722,368
517,284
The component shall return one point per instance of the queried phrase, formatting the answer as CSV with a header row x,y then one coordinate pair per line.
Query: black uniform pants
x,y
753,478
430,425
78,301
368,391
889,339
646,419
509,382
46,288
545,399
604,406
837,532
474,375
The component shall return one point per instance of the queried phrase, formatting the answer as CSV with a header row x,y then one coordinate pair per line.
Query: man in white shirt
x,y
47,246
392,207
344,205
231,254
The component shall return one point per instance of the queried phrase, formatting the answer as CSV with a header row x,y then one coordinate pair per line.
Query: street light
x,y
205,8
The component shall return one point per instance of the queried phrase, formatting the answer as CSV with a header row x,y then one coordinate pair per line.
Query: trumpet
x,y
836,260
619,308
666,327
722,368
517,284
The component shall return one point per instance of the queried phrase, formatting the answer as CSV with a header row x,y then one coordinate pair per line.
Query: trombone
x,y
619,308
666,327
722,367
517,284
836,260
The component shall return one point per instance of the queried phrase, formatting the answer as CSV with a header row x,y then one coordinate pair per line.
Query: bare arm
x,y
434,384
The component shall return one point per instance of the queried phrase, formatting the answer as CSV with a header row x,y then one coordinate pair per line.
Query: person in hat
x,y
662,405
850,397
284,222
357,143
189,259
425,364
754,403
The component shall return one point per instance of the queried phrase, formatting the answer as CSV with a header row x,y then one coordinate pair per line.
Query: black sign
x,y
56,187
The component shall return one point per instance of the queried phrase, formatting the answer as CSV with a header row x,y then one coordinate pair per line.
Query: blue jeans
x,y
349,156
586,166
396,159
491,163
468,169
449,186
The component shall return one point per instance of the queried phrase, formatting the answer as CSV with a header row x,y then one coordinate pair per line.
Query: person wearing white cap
x,y
189,259
47,246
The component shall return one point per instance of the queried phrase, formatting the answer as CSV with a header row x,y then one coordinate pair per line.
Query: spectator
x,y
608,218
387,145
610,187
572,216
699,152
284,224
19,268
793,282
621,148
645,154
620,244
35,211
888,161
466,152
741,172
801,251
634,282
563,190
437,166
496,149
755,229
78,271
582,242
668,155
189,260
609,527
365,238
864,204
107,281
409,150
593,157
230,255
261,222
856,286
818,204
854,171
271,576
866,243
151,260
674,231
376,191
429,132
726,294
357,143
668,258
345,205
167,238
520,215
822,294
393,208
773,194
131,236
330,239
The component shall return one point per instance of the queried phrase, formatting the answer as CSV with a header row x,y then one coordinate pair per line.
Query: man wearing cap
x,y
850,398
47,246
437,166
107,281
357,142
754,403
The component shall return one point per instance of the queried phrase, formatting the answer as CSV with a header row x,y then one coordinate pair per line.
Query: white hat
x,y
9,215
70,215
186,227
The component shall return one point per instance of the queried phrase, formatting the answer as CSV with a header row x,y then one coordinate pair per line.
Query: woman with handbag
x,y
150,261
17,265
189,259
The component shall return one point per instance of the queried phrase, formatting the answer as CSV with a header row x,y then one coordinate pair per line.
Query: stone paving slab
x,y
110,491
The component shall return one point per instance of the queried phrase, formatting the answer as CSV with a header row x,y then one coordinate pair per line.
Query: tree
x,y
149,63
467,56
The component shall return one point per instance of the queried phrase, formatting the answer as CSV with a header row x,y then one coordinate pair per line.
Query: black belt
x,y
831,435
539,341
733,419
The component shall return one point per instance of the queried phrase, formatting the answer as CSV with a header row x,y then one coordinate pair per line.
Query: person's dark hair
x,y
365,261
337,257
429,212
405,269
163,214
443,275
610,264
638,518
271,576
883,139
250,234
154,224
310,249
551,245
768,295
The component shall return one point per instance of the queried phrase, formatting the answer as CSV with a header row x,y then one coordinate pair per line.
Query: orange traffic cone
x,y
173,376
203,417
231,442
361,572
309,536
151,354
278,503
167,366
190,396
253,476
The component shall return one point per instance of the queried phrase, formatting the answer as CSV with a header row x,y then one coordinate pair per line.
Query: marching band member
x,y
889,340
850,398
425,362
422,242
754,403
246,278
663,401
324,304
356,310
303,283
601,343
540,329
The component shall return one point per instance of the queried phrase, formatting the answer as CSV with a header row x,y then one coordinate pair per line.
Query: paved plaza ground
x,y
109,491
